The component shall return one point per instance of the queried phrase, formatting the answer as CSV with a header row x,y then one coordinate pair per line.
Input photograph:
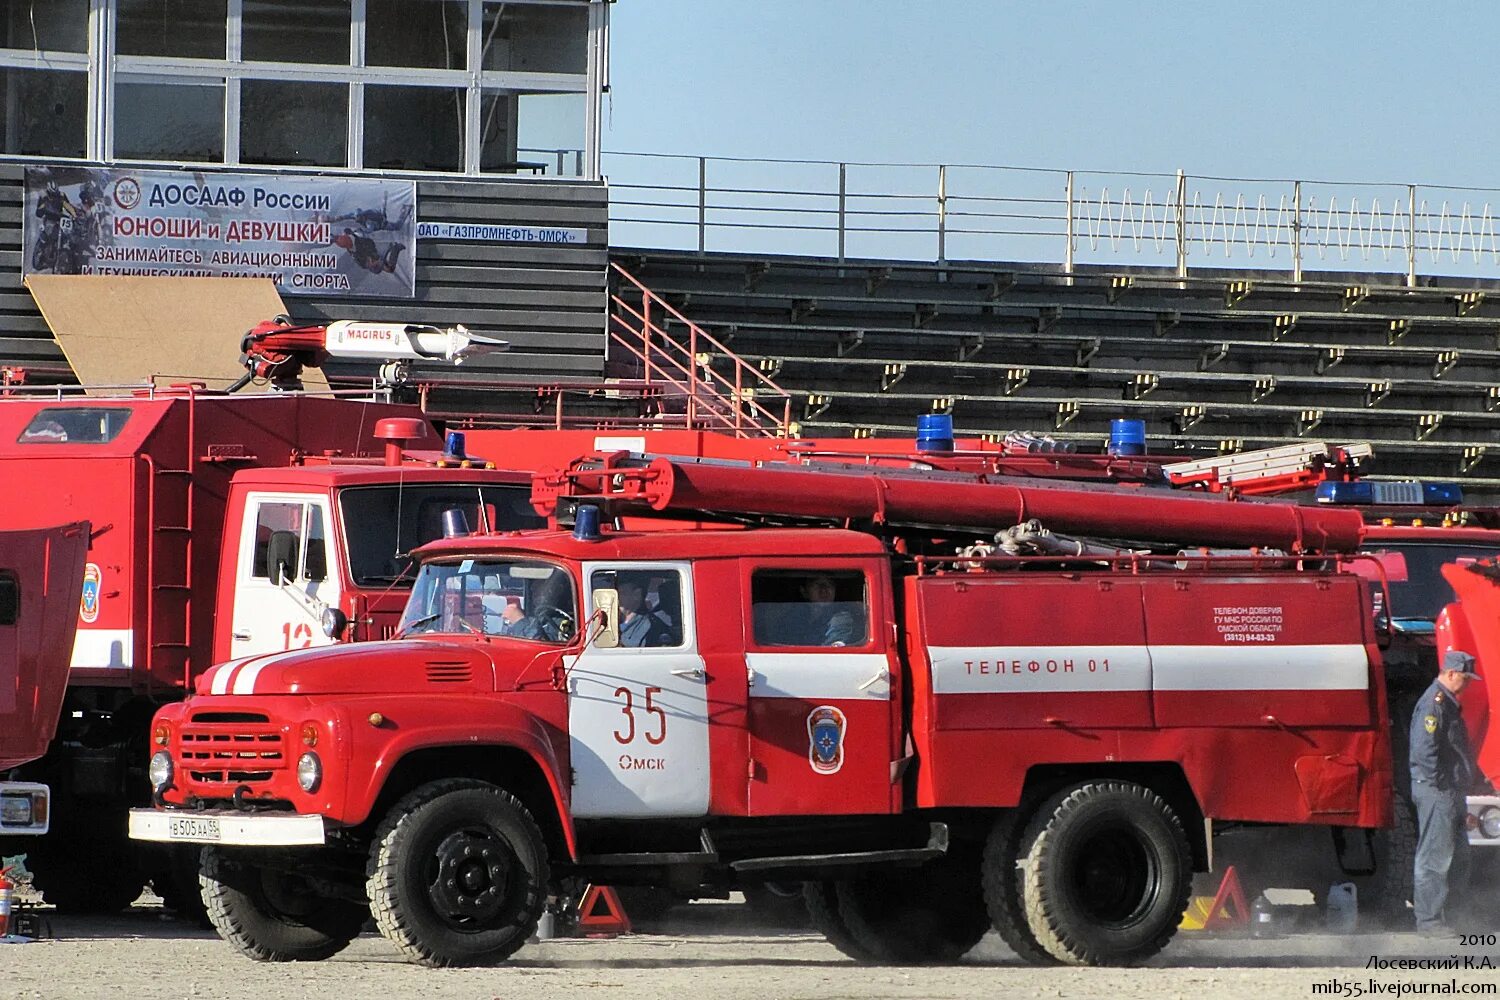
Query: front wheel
x,y
273,916
458,874
1108,871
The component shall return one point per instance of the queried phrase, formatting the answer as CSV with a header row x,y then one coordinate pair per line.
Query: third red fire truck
x,y
861,690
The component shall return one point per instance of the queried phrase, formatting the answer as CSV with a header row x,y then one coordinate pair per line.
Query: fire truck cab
x,y
854,691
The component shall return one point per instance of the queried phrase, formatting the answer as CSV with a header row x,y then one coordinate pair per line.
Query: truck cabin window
x,y
810,608
75,425
1414,572
281,530
519,598
382,524
650,604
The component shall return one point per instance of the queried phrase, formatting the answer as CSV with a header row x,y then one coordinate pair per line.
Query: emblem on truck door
x,y
826,726
88,605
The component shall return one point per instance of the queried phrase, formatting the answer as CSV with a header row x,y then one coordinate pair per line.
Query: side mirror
x,y
607,605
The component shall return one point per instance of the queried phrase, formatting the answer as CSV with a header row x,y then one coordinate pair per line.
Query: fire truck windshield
x,y
382,524
1414,570
520,598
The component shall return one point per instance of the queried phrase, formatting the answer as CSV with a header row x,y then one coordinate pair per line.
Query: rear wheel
x,y
917,916
1384,895
1108,874
822,902
1002,891
273,916
458,874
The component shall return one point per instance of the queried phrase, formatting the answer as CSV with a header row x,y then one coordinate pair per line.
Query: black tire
x,y
822,902
1384,896
776,904
272,916
496,861
1108,874
85,878
1002,891
917,916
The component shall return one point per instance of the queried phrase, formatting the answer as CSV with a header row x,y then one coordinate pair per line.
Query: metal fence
x,y
946,212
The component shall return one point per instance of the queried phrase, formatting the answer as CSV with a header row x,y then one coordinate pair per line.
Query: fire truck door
x,y
285,577
820,677
638,713
41,587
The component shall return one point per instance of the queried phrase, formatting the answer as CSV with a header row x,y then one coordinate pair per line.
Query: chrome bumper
x,y
227,826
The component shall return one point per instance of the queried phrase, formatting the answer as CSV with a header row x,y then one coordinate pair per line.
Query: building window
x,y
169,121
182,28
535,38
296,31
414,128
431,34
536,133
45,25
294,124
44,112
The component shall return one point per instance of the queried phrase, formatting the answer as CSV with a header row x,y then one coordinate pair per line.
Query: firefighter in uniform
x,y
1442,773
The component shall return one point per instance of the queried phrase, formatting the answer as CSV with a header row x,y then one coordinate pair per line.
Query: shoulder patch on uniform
x,y
1429,723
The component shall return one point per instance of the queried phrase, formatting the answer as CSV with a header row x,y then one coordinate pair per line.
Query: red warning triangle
x,y
1228,909
612,921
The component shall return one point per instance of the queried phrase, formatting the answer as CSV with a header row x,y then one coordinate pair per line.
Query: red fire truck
x,y
216,526
853,691
41,581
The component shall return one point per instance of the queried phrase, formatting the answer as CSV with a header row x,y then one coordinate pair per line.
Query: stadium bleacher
x,y
1215,362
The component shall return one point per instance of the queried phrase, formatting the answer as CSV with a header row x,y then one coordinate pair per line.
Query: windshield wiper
x,y
425,620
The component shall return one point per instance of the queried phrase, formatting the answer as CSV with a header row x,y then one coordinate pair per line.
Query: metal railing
x,y
730,403
945,212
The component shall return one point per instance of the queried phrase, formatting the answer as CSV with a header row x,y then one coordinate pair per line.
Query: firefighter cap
x,y
1460,661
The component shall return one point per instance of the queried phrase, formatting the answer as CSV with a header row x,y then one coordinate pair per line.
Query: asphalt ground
x,y
715,951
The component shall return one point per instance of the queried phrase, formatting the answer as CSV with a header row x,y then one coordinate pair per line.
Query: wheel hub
x,y
473,877
1116,878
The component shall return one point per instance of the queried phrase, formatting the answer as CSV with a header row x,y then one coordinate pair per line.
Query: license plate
x,y
192,828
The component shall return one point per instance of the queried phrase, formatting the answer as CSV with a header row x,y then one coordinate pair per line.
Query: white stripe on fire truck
x,y
102,648
828,675
1262,667
244,681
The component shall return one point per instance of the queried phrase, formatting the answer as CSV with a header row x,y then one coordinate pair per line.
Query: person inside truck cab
x,y
819,618
639,626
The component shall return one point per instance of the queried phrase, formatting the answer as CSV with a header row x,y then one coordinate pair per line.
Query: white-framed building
x,y
491,107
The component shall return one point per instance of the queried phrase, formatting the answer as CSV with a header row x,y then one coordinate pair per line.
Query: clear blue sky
x,y
1341,90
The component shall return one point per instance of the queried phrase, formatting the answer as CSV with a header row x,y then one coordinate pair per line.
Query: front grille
x,y
236,748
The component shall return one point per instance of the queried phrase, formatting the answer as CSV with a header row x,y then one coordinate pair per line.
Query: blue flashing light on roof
x,y
453,446
586,523
1405,494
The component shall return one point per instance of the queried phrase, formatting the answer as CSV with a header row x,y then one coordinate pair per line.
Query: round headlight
x,y
161,770
309,771
1489,822
333,622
